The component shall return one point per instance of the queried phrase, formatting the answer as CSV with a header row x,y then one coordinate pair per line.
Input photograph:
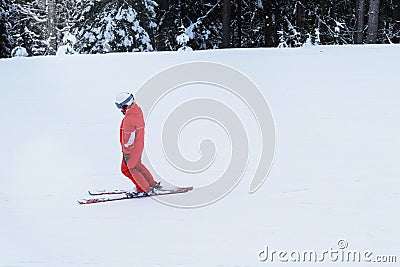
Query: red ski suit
x,y
132,144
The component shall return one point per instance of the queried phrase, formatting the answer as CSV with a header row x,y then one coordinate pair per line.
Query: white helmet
x,y
124,99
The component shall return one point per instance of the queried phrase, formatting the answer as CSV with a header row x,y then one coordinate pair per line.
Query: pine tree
x,y
202,18
168,20
116,26
67,15
28,20
389,21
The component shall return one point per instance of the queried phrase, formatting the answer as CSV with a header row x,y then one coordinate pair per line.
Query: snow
x,y
69,38
62,50
19,51
335,174
185,49
182,39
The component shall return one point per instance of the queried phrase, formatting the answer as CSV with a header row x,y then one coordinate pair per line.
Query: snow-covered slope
x,y
335,175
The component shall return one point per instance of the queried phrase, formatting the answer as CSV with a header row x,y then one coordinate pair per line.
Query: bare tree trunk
x,y
300,15
51,31
360,13
226,21
373,16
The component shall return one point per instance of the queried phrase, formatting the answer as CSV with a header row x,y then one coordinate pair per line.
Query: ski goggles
x,y
124,103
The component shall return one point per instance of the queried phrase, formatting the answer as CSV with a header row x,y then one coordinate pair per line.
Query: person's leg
x,y
146,173
140,181
136,177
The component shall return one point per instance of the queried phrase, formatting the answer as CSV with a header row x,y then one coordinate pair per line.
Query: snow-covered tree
x,y
100,26
19,52
249,27
394,26
205,24
67,47
5,35
202,18
388,22
182,39
116,26
167,21
29,29
68,13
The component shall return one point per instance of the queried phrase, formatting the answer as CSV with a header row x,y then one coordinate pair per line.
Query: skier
x,y
132,143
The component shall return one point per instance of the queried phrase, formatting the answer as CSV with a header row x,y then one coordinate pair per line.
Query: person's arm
x,y
128,135
133,139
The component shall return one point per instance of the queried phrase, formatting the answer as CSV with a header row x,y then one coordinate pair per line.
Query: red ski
x,y
115,195
107,192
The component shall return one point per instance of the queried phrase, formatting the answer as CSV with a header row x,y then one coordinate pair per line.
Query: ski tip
x,y
186,189
84,201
